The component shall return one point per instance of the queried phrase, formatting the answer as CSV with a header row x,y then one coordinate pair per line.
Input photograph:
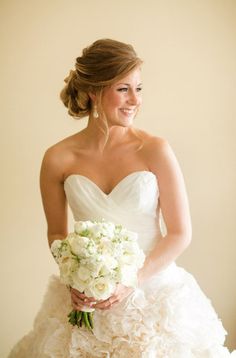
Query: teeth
x,y
127,110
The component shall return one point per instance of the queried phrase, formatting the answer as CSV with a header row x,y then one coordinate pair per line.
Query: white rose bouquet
x,y
94,259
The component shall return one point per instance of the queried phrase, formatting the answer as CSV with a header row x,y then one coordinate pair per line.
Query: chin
x,y
127,122
126,125
121,123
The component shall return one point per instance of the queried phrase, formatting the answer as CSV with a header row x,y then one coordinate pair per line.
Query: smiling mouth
x,y
127,110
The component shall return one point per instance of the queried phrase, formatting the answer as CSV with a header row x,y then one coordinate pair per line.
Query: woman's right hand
x,y
80,300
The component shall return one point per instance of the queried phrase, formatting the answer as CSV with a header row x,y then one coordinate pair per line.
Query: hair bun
x,y
74,98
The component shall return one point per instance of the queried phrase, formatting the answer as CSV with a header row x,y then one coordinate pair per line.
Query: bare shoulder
x,y
58,157
161,160
149,139
154,148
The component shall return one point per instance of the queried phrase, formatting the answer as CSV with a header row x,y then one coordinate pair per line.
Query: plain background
x,y
189,53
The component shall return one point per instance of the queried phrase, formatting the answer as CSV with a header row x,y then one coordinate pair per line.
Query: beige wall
x,y
189,88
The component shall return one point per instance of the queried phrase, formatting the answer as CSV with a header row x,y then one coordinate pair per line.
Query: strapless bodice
x,y
133,203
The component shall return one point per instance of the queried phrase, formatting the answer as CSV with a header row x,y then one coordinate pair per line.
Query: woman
x,y
114,171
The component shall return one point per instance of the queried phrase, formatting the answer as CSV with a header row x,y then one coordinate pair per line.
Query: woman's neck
x,y
99,136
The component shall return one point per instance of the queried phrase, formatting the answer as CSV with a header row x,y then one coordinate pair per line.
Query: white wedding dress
x,y
167,317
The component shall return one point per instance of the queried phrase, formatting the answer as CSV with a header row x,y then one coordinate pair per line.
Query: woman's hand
x,y
120,293
80,300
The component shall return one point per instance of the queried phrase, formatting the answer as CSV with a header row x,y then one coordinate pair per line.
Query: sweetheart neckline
x,y
115,187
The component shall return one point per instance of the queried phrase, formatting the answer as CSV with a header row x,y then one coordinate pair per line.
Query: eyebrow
x,y
127,84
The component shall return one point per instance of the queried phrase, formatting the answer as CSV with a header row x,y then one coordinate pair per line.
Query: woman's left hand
x,y
120,293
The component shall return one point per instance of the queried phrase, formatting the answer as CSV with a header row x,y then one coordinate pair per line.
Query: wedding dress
x,y
167,317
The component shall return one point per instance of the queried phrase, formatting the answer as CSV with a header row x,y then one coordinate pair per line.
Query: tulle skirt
x,y
168,317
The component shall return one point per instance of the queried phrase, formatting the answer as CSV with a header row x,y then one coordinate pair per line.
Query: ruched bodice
x,y
133,203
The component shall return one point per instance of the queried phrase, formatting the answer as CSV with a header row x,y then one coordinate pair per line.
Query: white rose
x,y
109,262
78,285
132,254
70,237
67,266
83,273
91,248
100,288
80,280
61,250
127,259
79,245
106,244
65,250
106,271
131,247
108,229
92,265
117,249
56,244
55,248
81,226
95,230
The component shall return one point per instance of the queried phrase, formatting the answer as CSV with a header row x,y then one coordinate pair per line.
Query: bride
x,y
114,171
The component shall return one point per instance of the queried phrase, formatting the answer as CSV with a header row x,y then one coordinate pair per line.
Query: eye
x,y
123,89
139,89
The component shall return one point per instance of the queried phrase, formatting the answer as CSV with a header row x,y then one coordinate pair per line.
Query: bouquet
x,y
94,259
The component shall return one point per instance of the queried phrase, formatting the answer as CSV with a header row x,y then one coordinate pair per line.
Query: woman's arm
x,y
55,208
53,195
175,210
174,207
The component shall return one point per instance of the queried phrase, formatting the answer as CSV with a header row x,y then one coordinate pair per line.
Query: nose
x,y
134,98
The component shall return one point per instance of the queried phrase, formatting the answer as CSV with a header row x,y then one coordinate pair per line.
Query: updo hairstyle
x,y
101,64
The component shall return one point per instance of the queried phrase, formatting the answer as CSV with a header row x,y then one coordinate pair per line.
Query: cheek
x,y
116,100
112,102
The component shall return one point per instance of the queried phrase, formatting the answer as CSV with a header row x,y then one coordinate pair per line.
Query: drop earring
x,y
95,112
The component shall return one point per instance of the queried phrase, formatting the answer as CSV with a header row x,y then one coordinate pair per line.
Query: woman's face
x,y
121,101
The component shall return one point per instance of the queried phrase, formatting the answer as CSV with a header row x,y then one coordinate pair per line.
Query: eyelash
x,y
125,89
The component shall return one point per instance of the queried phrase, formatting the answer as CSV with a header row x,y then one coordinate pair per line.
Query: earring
x,y
95,112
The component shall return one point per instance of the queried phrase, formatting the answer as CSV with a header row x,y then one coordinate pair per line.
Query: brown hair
x,y
101,65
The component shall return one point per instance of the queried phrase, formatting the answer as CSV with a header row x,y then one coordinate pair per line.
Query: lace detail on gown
x,y
167,317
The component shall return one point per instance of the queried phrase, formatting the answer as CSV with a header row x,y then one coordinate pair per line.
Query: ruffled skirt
x,y
168,317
